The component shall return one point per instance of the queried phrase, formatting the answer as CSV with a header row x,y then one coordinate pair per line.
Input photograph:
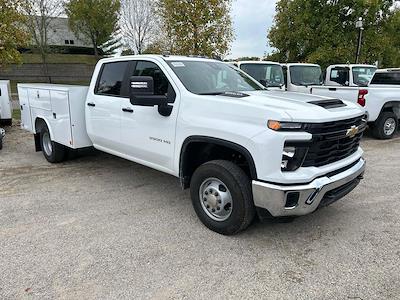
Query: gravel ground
x,y
99,227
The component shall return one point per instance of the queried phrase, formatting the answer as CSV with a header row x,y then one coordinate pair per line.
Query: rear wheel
x,y
2,134
221,196
6,122
385,126
52,151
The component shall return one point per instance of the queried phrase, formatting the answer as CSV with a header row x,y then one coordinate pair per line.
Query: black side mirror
x,y
142,92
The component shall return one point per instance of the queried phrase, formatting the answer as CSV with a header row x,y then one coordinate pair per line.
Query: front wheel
x,y
221,196
385,126
52,151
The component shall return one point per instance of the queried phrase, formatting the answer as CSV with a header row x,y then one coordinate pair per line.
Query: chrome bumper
x,y
322,191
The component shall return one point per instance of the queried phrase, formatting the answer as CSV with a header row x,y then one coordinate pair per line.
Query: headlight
x,y
277,125
293,157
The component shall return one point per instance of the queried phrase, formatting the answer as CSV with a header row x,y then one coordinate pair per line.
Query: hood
x,y
304,107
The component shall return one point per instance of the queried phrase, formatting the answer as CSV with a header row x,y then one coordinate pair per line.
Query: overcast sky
x,y
251,20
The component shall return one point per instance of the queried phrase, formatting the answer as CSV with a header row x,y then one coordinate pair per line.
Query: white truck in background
x,y
268,73
377,91
241,149
300,76
5,103
5,108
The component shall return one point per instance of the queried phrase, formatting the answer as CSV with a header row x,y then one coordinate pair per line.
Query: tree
x,y
39,17
12,36
196,27
97,20
138,24
324,31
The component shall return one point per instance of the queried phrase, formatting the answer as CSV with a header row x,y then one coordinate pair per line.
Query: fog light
x,y
292,157
289,151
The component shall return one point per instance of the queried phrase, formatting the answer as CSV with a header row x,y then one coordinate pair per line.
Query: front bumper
x,y
280,200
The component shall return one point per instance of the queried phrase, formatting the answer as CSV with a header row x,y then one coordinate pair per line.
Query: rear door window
x,y
111,79
389,78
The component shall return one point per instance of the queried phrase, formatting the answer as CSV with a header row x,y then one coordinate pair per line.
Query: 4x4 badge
x,y
352,131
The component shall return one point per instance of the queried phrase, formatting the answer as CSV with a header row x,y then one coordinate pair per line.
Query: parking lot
x,y
100,227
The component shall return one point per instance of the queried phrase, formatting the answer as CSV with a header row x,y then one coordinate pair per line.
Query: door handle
x,y
332,89
129,110
91,104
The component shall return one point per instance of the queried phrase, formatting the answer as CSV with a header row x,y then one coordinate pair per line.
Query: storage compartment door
x,y
60,120
26,117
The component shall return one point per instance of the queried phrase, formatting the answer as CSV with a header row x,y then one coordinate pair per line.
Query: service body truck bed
x,y
61,106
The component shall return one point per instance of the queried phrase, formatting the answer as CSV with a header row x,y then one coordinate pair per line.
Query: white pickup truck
x,y
300,76
268,73
381,100
241,149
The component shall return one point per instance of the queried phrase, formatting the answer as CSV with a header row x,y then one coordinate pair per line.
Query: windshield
x,y
305,75
362,75
209,77
268,74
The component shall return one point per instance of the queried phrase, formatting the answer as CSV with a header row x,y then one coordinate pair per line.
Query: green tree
x,y
324,31
97,20
12,36
196,27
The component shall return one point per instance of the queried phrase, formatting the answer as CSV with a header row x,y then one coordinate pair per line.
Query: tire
x,y
6,122
228,181
1,143
381,130
52,151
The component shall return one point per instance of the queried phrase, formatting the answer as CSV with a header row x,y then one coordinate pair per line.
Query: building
x,y
60,35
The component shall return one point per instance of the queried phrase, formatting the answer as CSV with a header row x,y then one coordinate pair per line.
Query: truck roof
x,y
156,56
388,70
300,64
260,62
352,65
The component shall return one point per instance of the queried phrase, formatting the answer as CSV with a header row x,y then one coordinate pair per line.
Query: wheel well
x,y
39,124
197,151
393,106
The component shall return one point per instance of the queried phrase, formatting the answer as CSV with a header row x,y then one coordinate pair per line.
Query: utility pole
x,y
359,26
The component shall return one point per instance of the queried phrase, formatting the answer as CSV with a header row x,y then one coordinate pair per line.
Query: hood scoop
x,y
328,104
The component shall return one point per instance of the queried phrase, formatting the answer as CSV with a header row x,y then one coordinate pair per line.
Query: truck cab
x,y
349,75
268,73
300,76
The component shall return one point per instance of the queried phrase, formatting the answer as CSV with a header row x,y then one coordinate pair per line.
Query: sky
x,y
251,19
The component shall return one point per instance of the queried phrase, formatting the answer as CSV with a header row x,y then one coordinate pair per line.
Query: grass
x,y
16,114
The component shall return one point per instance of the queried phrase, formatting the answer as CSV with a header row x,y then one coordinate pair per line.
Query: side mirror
x,y
142,92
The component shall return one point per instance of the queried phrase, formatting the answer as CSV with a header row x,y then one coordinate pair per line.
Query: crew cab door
x,y
103,111
147,136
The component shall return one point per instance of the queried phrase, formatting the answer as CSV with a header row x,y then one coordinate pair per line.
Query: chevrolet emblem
x,y
352,131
